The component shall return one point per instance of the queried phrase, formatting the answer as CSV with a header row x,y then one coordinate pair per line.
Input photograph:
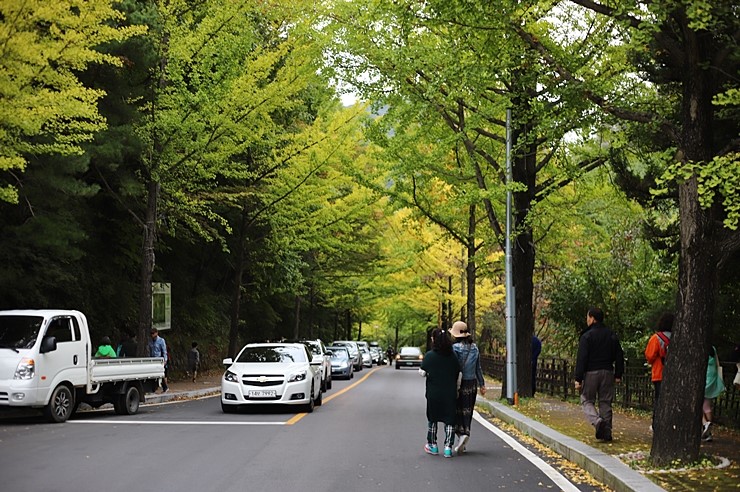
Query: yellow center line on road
x,y
299,416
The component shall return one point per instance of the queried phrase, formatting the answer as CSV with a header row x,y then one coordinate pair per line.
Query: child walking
x,y
193,360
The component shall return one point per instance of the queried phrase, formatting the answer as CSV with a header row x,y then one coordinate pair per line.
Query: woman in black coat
x,y
441,368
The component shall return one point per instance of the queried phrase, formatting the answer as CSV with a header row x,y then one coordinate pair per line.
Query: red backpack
x,y
665,340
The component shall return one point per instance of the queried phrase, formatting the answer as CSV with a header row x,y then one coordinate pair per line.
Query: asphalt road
x,y
368,435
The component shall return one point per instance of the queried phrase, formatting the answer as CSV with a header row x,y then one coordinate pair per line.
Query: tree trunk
x,y
236,296
147,268
311,306
449,304
297,315
348,326
677,429
678,421
359,330
524,171
470,273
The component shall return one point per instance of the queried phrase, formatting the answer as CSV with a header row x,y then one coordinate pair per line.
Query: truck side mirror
x,y
48,344
227,362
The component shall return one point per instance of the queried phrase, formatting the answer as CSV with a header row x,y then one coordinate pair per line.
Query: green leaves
x,y
44,108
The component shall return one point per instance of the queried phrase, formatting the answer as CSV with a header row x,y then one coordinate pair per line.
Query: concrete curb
x,y
604,468
151,398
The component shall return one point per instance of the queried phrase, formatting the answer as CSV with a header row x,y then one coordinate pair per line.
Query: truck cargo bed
x,y
126,369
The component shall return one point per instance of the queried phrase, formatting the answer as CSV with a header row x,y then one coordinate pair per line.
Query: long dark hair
x,y
665,323
441,342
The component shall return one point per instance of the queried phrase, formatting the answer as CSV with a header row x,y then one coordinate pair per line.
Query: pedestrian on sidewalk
x,y
193,360
599,365
655,353
158,348
440,367
468,357
714,387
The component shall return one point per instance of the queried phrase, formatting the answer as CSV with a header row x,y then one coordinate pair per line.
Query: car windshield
x,y
339,354
410,351
19,332
351,348
285,354
314,347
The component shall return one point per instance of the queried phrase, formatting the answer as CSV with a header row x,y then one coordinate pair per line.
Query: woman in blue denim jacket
x,y
472,380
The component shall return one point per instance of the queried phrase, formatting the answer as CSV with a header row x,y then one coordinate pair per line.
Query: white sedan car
x,y
267,373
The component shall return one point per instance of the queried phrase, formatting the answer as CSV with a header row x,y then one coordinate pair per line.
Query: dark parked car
x,y
409,357
341,362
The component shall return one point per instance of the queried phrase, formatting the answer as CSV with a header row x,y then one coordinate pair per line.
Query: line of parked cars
x,y
294,372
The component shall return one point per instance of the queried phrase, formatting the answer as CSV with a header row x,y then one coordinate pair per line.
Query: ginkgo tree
x,y
443,72
44,107
224,74
671,88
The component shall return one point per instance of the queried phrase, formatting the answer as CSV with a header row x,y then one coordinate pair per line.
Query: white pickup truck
x,y
46,362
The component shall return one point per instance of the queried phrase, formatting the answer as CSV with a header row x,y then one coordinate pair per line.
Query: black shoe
x,y
601,430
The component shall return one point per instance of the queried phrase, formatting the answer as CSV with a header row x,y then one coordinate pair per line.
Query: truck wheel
x,y
128,402
61,405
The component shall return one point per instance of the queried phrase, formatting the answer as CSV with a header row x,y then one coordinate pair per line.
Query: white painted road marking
x,y
548,470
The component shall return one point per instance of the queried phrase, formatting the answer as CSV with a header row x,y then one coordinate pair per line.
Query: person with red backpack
x,y
655,353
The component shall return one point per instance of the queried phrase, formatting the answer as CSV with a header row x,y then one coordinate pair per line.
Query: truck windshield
x,y
19,332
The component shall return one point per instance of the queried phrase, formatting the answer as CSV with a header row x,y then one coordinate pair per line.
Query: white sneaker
x,y
460,448
705,430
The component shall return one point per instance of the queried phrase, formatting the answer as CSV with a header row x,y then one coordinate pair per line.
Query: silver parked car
x,y
341,362
367,357
354,351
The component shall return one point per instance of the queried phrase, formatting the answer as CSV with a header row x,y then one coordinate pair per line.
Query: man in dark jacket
x,y
599,365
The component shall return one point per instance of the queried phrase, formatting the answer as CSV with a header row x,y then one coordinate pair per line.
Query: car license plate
x,y
262,393
409,363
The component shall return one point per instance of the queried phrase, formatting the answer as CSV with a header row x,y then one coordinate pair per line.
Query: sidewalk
x,y
561,426
181,388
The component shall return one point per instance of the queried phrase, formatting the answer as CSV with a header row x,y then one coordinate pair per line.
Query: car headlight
x,y
230,376
299,376
26,369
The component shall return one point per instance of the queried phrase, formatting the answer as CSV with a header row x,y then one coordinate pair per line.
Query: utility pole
x,y
512,394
